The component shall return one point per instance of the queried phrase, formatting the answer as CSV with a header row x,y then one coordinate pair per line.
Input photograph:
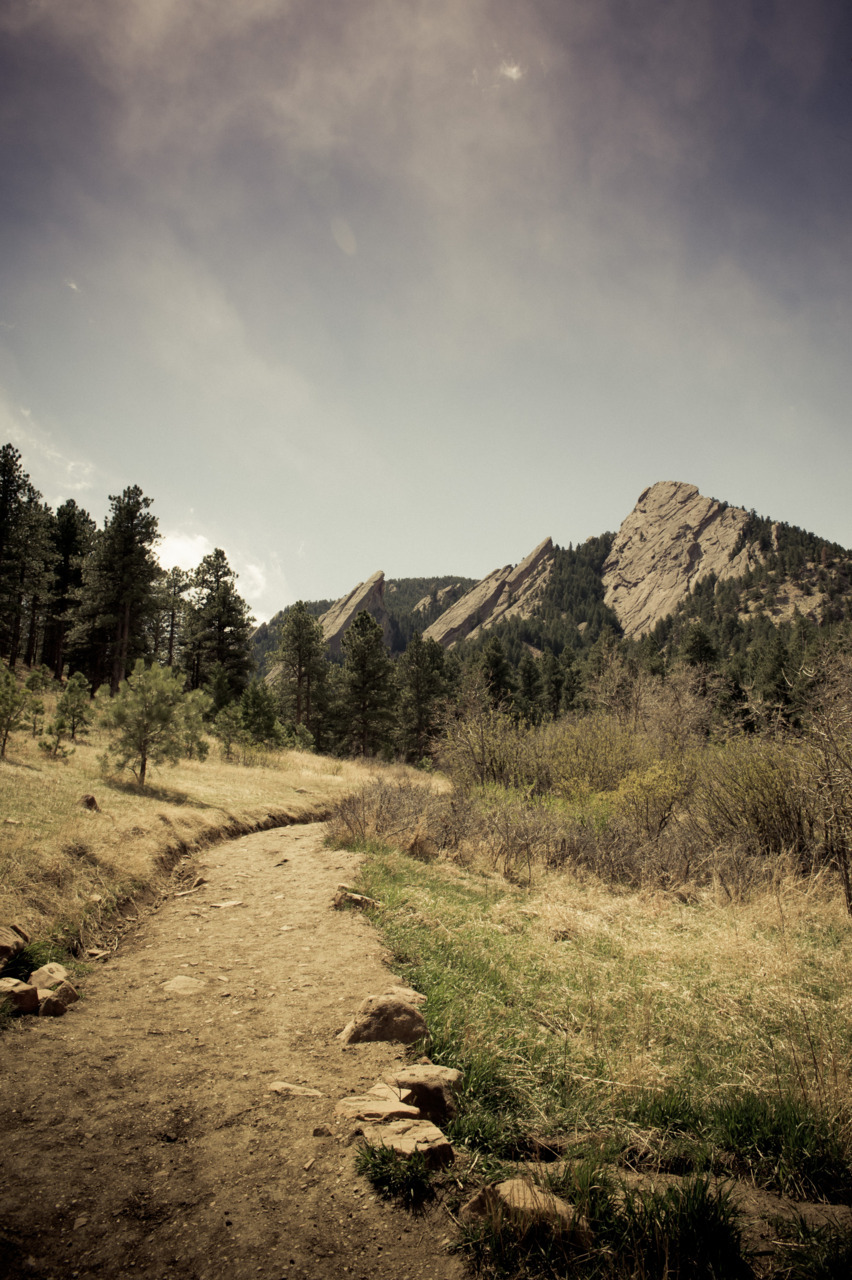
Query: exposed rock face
x,y
672,539
506,593
368,596
443,598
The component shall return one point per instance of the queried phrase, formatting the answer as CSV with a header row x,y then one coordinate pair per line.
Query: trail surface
x,y
139,1138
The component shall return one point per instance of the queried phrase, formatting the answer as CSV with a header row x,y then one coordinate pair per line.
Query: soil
x,y
139,1135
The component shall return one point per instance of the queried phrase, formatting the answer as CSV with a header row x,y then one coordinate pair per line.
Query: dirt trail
x,y
138,1134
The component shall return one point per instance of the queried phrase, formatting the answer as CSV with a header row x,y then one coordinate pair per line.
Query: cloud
x,y
183,550
51,469
510,71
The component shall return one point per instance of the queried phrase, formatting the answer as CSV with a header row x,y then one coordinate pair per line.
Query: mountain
x,y
679,558
672,539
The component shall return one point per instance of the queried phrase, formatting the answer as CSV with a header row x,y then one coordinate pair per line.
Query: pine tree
x,y
152,719
301,665
72,533
367,685
423,685
117,599
217,651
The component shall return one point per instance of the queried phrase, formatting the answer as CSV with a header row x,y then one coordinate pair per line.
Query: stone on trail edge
x,y
519,1201
410,1137
432,1089
17,996
378,1104
386,1017
49,975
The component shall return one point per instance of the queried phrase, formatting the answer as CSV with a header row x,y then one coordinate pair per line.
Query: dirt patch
x,y
140,1135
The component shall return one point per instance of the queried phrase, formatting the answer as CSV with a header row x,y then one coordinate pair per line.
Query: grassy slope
x,y
63,869
568,1001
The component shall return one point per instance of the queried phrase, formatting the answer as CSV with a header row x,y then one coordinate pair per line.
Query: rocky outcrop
x,y
443,598
513,591
672,539
367,597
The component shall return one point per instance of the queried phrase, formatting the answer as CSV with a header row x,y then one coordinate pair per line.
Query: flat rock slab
x,y
386,1017
184,986
379,1104
409,1137
521,1202
296,1090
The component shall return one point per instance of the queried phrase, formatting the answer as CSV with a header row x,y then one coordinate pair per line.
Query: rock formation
x,y
672,539
368,596
513,591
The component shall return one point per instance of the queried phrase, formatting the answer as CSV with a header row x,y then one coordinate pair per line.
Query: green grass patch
x,y
403,1178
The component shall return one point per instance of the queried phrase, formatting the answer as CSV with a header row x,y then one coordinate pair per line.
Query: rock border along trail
x,y
140,1136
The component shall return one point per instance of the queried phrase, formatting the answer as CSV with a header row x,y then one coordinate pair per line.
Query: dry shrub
x,y
753,793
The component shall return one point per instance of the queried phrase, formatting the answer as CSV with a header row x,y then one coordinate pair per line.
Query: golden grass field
x,y
64,868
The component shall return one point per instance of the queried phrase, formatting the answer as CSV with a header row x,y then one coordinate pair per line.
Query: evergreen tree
x,y
26,557
529,695
423,686
496,671
152,719
301,665
14,706
217,648
169,618
75,705
117,597
367,685
73,531
257,710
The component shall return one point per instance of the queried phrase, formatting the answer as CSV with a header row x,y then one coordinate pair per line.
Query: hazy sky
x,y
412,284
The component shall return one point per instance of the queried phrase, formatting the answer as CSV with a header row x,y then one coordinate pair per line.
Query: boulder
x,y
17,996
407,1137
385,1017
522,1203
432,1089
12,942
49,975
66,993
51,1006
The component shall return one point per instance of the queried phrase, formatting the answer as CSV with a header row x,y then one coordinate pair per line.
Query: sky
x,y
414,284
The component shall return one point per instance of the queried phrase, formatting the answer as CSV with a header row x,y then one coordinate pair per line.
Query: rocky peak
x,y
672,539
512,591
368,596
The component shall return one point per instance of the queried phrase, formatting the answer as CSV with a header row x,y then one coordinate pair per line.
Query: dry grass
x,y
588,994
63,868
